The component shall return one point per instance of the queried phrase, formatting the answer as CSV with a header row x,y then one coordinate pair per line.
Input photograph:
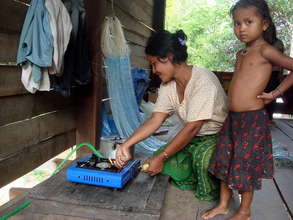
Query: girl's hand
x,y
266,97
156,165
122,156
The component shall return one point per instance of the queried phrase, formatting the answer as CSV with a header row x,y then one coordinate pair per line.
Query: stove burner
x,y
103,165
97,163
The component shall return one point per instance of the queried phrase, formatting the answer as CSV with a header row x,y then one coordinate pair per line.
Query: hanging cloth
x,y
124,107
61,27
35,47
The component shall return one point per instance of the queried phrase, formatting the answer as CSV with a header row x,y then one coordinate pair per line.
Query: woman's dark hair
x,y
262,7
163,43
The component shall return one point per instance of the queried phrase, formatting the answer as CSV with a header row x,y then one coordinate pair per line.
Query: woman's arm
x,y
147,129
143,132
178,143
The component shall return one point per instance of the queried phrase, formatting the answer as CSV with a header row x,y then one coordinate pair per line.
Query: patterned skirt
x,y
188,168
243,154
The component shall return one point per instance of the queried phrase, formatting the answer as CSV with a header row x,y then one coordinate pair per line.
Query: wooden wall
x,y
136,18
33,127
36,127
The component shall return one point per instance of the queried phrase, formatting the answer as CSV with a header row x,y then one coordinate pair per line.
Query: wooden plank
x,y
284,179
281,140
264,207
289,122
140,10
21,107
138,57
206,205
57,196
17,136
10,81
12,15
9,46
150,2
284,176
139,62
33,156
285,128
128,20
134,38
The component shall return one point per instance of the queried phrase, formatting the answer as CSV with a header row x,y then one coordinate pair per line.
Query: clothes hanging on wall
x,y
76,61
35,47
61,27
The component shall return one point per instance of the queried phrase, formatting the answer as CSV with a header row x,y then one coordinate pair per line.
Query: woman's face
x,y
163,68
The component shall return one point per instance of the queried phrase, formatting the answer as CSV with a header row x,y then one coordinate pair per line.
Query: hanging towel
x,y
29,83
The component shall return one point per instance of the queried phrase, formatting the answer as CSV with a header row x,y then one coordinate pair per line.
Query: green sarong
x,y
188,168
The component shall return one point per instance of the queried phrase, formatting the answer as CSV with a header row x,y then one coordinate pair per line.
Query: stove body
x,y
89,171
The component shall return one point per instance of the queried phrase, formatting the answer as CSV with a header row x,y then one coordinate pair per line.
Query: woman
x,y
196,95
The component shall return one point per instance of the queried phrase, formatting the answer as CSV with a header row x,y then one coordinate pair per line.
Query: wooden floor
x,y
275,200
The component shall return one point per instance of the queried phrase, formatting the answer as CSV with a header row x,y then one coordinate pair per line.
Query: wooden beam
x,y
9,46
159,14
10,81
12,15
33,156
17,136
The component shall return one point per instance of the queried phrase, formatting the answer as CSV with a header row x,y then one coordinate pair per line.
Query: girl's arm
x,y
284,85
279,59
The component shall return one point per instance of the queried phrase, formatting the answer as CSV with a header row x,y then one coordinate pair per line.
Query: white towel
x,y
29,83
61,27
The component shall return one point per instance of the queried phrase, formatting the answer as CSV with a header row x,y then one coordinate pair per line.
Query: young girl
x,y
243,155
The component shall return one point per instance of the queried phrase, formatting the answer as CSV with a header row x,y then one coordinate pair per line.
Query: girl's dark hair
x,y
262,7
163,43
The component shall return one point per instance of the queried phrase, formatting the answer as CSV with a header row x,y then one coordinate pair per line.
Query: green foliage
x,y
208,26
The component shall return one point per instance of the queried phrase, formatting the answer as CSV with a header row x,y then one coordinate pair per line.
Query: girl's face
x,y
248,24
163,68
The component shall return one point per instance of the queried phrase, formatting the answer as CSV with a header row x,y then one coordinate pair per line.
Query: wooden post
x,y
159,14
89,102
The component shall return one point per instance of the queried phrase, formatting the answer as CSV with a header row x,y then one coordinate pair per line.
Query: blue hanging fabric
x,y
140,81
124,107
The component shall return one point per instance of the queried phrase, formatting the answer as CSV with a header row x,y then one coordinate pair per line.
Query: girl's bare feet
x,y
241,216
217,210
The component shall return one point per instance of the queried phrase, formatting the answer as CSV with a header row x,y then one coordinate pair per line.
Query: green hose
x,y
13,212
79,146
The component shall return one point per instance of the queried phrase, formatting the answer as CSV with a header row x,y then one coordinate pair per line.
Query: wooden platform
x,y
144,197
275,200
56,198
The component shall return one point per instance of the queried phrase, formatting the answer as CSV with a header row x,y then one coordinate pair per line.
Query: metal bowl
x,y
109,145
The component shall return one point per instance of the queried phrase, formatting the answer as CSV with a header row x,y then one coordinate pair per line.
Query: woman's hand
x,y
266,97
123,155
156,165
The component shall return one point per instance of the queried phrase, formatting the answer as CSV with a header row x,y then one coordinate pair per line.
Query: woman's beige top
x,y
204,99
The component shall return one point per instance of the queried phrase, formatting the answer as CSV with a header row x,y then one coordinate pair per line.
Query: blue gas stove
x,y
98,171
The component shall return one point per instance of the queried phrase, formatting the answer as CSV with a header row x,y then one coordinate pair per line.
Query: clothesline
x,y
105,67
